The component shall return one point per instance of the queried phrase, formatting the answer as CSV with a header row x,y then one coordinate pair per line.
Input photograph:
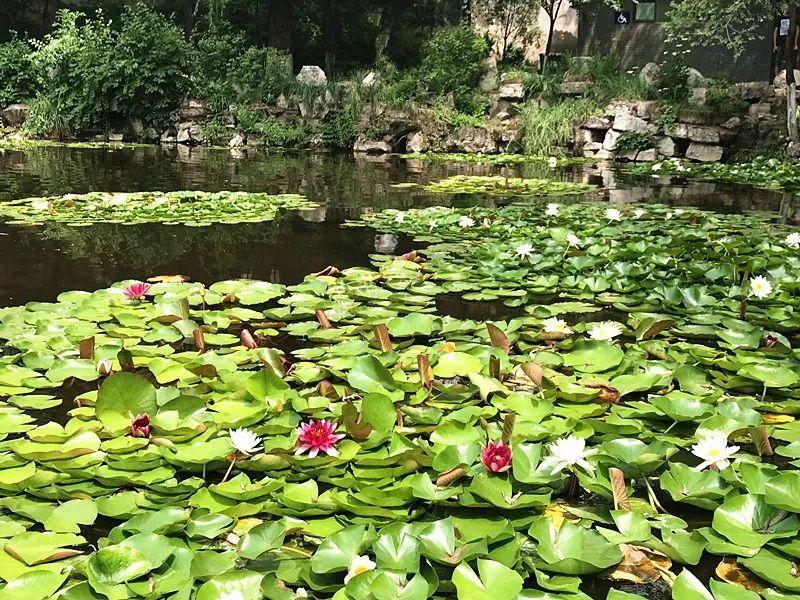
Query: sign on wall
x,y
622,17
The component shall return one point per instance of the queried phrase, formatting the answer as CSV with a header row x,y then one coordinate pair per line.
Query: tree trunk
x,y
791,84
189,14
281,24
551,27
331,27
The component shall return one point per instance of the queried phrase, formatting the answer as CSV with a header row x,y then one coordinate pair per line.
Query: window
x,y
646,11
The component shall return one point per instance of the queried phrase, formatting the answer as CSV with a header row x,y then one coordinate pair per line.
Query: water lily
x,y
639,213
318,436
552,162
496,457
569,452
552,209
40,204
714,451
524,250
613,214
466,221
104,367
140,426
556,325
606,330
770,340
247,340
359,565
245,441
573,240
117,200
137,290
432,224
793,240
760,287
399,217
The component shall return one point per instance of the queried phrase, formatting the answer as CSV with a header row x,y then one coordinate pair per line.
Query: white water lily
x,y
714,451
432,224
656,166
570,451
245,441
552,162
639,213
117,200
399,217
159,201
359,565
668,216
466,221
552,209
556,325
573,240
760,287
524,250
606,330
613,214
793,240
40,204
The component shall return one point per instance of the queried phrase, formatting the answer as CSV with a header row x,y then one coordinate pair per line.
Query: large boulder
x,y
628,122
189,134
695,78
370,79
312,75
416,142
704,152
372,146
511,91
780,80
15,114
696,133
472,139
649,73
194,110
489,81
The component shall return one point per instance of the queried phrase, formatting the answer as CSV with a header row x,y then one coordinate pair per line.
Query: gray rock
x,y
238,140
194,110
370,79
489,81
312,75
753,90
696,133
593,146
116,137
604,154
648,155
151,135
704,152
15,114
648,109
281,102
759,109
469,138
190,134
628,195
137,127
626,122
649,73
575,88
733,124
611,139
665,146
416,142
372,146
596,123
511,91
695,78
780,80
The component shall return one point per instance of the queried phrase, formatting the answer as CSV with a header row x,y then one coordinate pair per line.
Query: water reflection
x,y
39,263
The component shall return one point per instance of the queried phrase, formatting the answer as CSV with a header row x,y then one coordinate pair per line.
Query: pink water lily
x,y
318,436
137,290
140,426
496,457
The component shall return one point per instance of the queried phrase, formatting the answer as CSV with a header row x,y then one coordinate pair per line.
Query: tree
x,y
733,23
552,8
513,20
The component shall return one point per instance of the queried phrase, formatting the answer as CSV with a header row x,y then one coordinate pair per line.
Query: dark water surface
x,y
38,263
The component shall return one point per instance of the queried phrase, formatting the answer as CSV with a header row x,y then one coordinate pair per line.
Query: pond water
x,y
38,264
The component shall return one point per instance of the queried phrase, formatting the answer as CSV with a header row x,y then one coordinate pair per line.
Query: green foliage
x,y
97,75
340,132
17,75
276,134
547,126
633,141
672,83
452,63
723,102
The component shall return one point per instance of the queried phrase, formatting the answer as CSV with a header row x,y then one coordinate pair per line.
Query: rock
x,y
372,146
604,154
611,139
489,81
648,155
698,95
385,243
189,134
665,146
312,75
575,88
416,142
696,133
151,135
649,73
648,109
238,140
316,142
628,195
169,136
511,91
137,128
759,109
627,122
254,140
593,146
695,78
116,137
469,138
753,90
370,79
780,80
499,106
596,123
733,124
194,110
281,102
15,114
704,152
621,107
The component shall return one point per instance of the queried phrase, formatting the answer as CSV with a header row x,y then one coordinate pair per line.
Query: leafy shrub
x,y
545,127
723,102
97,75
277,134
17,74
633,141
672,83
452,62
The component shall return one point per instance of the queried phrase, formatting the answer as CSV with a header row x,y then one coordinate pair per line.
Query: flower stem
x,y
228,472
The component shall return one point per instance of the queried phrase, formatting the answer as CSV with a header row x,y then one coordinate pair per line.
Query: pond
x,y
652,328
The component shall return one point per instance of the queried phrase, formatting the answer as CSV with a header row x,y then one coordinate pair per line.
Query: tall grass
x,y
545,127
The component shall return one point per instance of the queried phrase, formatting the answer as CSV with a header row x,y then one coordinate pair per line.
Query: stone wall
x,y
698,136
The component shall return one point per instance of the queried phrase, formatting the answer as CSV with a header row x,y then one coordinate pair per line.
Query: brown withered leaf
x,y
199,339
498,338
425,371
322,319
494,367
639,565
760,437
730,571
508,427
351,418
450,477
381,332
326,390
125,359
606,395
534,372
619,489
86,348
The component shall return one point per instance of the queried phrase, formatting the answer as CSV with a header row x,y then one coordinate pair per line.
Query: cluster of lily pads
x,y
496,185
191,208
495,159
630,418
769,173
